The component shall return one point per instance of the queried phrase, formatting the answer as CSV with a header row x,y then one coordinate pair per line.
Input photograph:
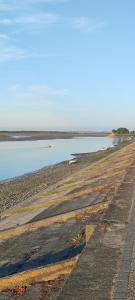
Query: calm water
x,y
18,158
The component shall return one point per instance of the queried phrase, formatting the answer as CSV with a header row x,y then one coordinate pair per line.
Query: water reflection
x,y
117,140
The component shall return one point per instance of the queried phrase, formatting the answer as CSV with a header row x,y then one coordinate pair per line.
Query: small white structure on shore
x,y
104,148
73,161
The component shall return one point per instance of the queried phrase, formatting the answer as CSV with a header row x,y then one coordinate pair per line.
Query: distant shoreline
x,y
47,135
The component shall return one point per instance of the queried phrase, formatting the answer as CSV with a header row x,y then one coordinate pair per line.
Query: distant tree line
x,y
122,130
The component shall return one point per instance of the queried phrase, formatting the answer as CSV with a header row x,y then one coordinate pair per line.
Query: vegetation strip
x,y
7,234
37,275
43,274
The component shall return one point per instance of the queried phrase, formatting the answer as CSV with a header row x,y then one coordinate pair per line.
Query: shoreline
x,y
18,189
74,156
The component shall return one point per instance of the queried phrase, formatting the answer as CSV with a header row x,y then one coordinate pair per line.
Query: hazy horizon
x,y
67,65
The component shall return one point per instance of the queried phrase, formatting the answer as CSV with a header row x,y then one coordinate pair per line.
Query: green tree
x,y
122,130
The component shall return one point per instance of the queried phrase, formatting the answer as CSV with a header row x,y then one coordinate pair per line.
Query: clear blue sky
x,y
67,64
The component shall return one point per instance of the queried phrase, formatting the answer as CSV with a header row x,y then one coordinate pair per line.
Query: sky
x,y
67,64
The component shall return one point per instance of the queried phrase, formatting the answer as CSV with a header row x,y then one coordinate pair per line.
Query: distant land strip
x,y
48,135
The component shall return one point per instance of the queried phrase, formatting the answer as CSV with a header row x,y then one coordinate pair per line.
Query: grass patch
x,y
30,208
70,182
50,193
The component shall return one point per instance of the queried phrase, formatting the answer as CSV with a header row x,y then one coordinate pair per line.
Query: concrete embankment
x,y
103,270
68,241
